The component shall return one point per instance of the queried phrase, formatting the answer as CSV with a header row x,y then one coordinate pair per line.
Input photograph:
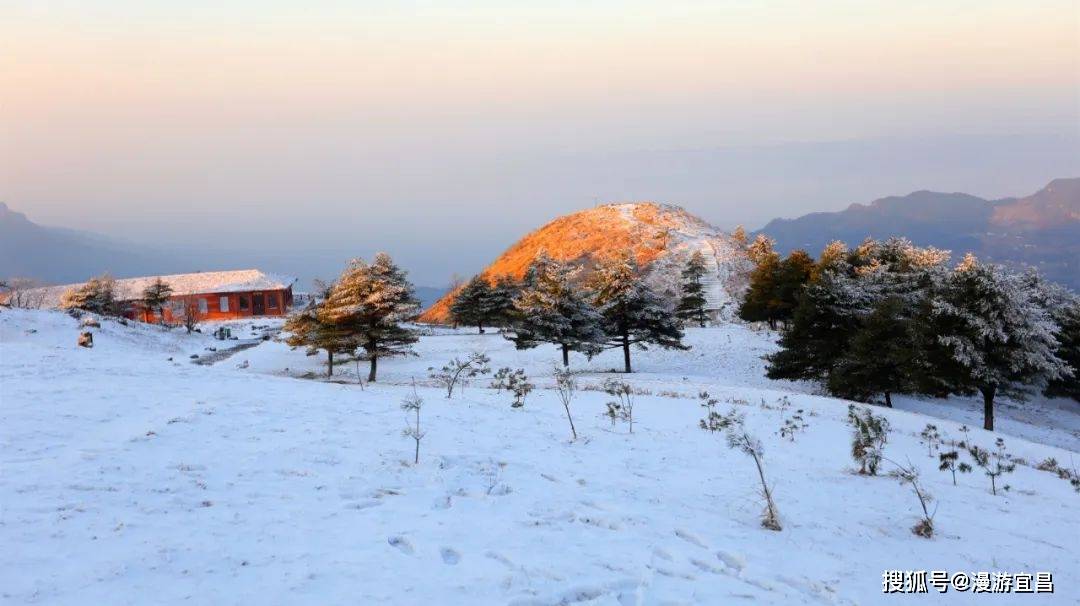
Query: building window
x,y
223,304
243,302
203,305
271,301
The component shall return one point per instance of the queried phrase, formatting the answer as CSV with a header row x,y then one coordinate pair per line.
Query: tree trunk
x,y
988,406
566,356
329,363
888,399
374,367
626,352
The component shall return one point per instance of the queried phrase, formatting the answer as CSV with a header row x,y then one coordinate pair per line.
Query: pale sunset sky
x,y
443,131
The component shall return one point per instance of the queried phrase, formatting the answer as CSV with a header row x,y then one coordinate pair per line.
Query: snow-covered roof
x,y
206,282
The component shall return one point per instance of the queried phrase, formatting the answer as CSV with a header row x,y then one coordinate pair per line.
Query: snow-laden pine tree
x,y
992,324
155,296
473,305
884,354
550,308
854,326
692,302
311,330
763,277
97,295
1064,308
501,303
1068,320
370,302
826,317
632,313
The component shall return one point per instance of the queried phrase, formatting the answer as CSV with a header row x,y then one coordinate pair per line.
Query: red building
x,y
211,295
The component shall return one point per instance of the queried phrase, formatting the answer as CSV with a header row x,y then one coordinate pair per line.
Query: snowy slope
x,y
128,478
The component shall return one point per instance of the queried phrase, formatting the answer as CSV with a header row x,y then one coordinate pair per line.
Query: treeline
x,y
363,315
890,317
614,308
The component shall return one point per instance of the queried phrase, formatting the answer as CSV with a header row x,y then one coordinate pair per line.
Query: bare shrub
x,y
24,293
910,475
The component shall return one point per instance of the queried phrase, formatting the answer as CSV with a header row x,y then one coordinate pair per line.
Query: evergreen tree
x,y
692,303
503,293
310,330
473,305
1067,315
369,302
632,313
878,360
791,276
763,280
825,318
97,295
155,296
738,236
550,309
991,324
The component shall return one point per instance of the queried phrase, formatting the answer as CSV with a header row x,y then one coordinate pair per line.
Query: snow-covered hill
x,y
130,478
661,236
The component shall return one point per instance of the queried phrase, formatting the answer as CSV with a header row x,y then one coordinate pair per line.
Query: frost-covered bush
x,y
793,425
931,437
869,434
950,461
458,371
714,421
514,381
622,408
412,405
566,387
994,465
739,439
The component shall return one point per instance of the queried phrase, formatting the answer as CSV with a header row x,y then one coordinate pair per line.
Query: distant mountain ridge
x,y
59,255
1041,230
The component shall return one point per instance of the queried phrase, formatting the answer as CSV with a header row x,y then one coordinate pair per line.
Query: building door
x,y
258,305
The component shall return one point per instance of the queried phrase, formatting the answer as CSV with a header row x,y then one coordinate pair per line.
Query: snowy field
x,y
131,475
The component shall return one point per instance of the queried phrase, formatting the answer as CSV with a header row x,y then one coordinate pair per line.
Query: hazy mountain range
x,y
1041,230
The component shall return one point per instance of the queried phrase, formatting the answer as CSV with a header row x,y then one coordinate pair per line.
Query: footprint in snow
x,y
690,538
731,560
403,545
450,556
705,566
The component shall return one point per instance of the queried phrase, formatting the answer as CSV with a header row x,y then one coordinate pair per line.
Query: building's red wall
x,y
214,311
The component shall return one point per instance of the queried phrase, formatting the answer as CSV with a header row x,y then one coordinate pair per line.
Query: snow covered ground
x,y
128,477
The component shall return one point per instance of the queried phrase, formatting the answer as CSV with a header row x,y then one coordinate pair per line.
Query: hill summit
x,y
661,236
